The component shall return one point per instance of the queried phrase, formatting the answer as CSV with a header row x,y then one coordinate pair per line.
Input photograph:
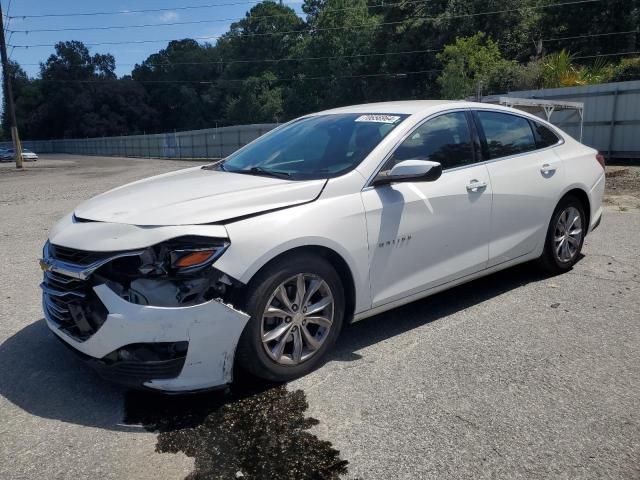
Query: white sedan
x,y
9,154
257,261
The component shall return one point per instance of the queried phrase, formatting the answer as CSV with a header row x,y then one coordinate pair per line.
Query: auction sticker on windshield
x,y
378,118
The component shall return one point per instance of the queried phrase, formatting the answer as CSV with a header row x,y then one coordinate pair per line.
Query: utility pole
x,y
8,92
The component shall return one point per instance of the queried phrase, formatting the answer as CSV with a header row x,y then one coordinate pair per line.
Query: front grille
x,y
78,257
64,283
72,305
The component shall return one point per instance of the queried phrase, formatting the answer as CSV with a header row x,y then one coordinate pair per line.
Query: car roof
x,y
412,107
408,107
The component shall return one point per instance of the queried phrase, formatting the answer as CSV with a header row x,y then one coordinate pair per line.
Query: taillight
x,y
600,159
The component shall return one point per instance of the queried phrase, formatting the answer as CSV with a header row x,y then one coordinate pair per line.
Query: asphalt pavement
x,y
513,376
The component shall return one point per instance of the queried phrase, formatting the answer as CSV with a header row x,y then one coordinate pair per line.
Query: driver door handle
x,y
475,186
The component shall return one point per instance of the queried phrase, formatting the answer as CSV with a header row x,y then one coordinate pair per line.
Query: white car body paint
x,y
109,237
209,360
413,167
340,204
403,219
400,242
185,197
524,197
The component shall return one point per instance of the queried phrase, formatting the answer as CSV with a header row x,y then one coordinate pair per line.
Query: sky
x,y
215,21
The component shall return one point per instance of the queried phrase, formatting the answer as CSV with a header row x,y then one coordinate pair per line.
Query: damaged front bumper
x,y
113,294
183,348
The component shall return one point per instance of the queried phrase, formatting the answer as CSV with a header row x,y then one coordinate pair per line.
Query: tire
x,y
263,359
560,256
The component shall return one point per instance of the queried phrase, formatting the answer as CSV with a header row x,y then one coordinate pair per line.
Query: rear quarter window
x,y
544,136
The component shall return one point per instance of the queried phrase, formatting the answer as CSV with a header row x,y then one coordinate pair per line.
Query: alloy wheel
x,y
568,234
297,319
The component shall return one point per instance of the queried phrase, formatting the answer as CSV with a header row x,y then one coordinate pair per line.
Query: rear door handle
x,y
475,186
547,168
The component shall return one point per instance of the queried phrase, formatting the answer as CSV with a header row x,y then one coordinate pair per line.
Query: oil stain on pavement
x,y
249,432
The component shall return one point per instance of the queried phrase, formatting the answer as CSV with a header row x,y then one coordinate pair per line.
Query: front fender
x,y
335,223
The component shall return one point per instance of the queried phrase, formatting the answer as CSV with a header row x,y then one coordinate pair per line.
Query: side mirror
x,y
410,171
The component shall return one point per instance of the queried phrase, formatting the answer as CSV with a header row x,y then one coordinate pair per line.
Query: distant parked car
x,y
9,154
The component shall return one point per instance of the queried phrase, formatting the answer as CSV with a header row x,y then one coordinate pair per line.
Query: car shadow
x,y
42,377
45,379
421,312
259,429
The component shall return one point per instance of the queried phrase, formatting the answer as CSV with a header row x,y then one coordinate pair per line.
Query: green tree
x,y
560,70
22,88
589,26
268,33
474,64
258,53
259,101
342,30
181,83
79,95
273,65
627,69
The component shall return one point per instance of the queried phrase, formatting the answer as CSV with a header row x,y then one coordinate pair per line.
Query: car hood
x,y
196,196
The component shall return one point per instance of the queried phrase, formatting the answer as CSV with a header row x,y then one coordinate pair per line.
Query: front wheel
x,y
297,309
565,236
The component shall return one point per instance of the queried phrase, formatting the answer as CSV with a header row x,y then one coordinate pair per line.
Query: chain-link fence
x,y
208,143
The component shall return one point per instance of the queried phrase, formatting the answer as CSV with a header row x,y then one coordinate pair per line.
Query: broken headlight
x,y
177,272
181,256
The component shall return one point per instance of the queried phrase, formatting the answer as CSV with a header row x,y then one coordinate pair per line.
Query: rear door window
x,y
506,134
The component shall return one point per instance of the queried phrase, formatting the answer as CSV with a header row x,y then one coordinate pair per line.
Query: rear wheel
x,y
297,309
565,236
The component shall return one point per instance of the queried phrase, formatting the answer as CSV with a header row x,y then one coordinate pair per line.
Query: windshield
x,y
314,147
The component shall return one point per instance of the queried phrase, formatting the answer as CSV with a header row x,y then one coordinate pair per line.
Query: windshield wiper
x,y
219,165
263,171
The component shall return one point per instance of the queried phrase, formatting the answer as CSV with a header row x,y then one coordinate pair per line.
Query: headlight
x,y
182,255
195,258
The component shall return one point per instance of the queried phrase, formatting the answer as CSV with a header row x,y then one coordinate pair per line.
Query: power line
x,y
215,20
6,14
358,55
144,10
278,60
609,54
395,75
574,37
400,74
129,12
126,42
202,6
313,30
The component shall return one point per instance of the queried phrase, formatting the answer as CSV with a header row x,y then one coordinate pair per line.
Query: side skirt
x,y
445,286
